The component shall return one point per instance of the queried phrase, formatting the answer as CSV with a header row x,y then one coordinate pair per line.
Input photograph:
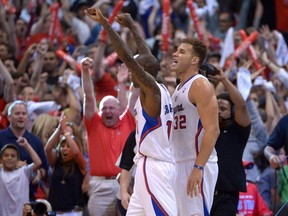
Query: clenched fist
x,y
95,14
125,20
86,63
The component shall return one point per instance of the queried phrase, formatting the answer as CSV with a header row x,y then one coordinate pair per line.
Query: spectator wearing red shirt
x,y
107,132
251,203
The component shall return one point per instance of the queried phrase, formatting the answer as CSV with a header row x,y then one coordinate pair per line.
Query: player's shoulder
x,y
201,85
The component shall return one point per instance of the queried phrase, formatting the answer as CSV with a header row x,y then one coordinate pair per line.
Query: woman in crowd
x,y
68,170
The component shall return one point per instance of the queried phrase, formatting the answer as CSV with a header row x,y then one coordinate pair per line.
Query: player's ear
x,y
195,60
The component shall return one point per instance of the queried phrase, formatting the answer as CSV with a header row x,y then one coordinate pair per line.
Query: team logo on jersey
x,y
168,108
178,108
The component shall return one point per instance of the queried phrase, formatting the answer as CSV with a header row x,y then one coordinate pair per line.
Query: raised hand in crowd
x,y
42,25
7,84
41,51
8,27
265,33
28,55
123,80
22,141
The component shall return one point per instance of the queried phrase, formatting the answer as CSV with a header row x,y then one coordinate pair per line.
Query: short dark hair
x,y
199,48
150,64
10,146
226,96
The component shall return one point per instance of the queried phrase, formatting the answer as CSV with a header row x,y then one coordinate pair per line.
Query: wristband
x,y
198,167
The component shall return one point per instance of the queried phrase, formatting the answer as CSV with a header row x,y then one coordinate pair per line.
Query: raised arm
x,y
35,158
9,83
78,156
270,64
49,149
22,67
120,47
269,41
37,27
12,33
242,116
7,24
272,110
98,67
38,64
257,124
67,15
127,21
133,96
89,97
122,77
3,22
151,20
73,102
149,91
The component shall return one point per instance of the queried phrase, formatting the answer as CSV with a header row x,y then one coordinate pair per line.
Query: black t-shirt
x,y
128,152
230,146
65,189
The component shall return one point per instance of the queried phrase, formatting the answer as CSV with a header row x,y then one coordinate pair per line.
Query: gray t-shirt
x,y
14,189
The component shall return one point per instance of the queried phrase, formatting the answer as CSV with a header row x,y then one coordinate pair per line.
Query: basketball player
x,y
153,189
195,131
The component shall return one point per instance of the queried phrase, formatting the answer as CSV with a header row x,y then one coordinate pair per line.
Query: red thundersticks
x,y
165,26
250,49
195,19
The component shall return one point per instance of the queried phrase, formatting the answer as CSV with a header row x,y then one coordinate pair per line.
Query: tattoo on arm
x,y
141,43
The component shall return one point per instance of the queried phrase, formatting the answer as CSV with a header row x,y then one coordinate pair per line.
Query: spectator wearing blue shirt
x,y
277,140
18,117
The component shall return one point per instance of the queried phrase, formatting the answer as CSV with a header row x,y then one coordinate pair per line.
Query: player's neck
x,y
186,76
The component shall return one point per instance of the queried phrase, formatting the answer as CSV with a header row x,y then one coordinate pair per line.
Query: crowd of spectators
x,y
42,43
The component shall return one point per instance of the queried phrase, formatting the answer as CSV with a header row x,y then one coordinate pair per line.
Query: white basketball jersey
x,y
152,134
188,131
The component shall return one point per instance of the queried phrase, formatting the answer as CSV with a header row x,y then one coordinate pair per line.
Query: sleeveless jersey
x,y
188,131
152,134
